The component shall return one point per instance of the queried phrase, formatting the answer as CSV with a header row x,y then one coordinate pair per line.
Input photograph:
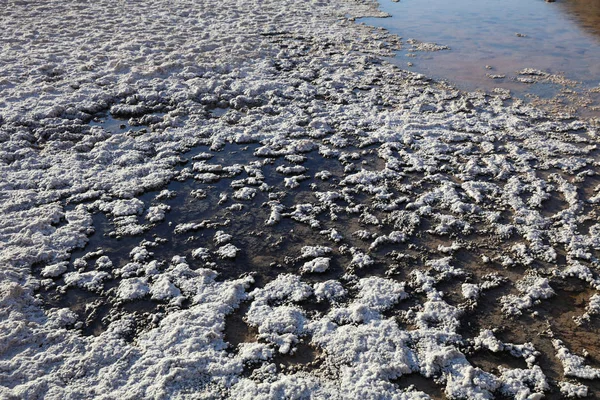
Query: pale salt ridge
x,y
319,264
573,391
532,289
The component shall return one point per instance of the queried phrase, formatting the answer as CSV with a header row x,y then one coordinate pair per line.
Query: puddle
x,y
218,112
124,125
561,37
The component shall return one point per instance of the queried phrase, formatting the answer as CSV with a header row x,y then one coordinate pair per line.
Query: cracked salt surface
x,y
290,218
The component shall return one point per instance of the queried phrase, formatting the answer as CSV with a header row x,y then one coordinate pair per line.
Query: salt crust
x,y
532,288
133,288
57,171
572,390
319,264
573,365
227,251
487,340
54,270
157,213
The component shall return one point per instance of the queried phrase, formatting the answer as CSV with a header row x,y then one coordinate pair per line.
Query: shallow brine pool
x,y
490,42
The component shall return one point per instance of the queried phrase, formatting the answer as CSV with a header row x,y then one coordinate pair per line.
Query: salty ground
x,y
245,200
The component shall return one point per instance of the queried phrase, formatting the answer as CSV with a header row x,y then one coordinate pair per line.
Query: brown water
x,y
493,39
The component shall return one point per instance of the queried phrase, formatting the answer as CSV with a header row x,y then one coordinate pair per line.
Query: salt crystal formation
x,y
242,200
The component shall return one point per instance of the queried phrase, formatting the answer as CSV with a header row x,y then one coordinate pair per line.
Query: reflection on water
x,y
562,38
585,12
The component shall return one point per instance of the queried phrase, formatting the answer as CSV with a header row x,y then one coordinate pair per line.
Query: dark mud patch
x,y
304,358
237,331
490,361
419,382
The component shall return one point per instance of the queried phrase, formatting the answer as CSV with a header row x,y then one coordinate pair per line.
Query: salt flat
x,y
242,200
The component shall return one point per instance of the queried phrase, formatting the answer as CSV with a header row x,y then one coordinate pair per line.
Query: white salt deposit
x,y
162,289
574,365
54,270
573,390
532,289
315,251
246,193
222,238
319,264
133,288
227,251
157,213
329,290
201,253
92,281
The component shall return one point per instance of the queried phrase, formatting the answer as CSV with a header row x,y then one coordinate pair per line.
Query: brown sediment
x,y
553,205
304,357
237,331
585,12
492,362
419,382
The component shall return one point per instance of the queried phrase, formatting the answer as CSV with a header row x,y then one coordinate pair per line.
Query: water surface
x,y
562,38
